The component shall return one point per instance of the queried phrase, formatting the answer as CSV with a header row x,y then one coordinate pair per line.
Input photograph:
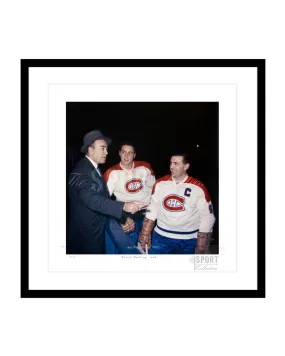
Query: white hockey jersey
x,y
131,185
181,209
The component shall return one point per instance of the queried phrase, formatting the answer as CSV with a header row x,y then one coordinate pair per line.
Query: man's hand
x,y
145,234
140,204
129,225
131,207
145,239
203,242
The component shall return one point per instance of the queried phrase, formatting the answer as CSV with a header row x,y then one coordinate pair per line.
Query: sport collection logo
x,y
134,185
174,202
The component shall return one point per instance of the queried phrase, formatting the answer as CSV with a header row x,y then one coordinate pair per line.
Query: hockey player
x,y
131,181
183,210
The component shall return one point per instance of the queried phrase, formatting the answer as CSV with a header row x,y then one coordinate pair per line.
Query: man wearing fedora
x,y
90,203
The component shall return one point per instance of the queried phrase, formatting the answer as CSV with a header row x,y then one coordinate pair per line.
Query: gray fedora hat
x,y
92,136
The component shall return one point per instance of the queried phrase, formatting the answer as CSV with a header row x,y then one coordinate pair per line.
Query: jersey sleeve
x,y
154,206
206,213
150,178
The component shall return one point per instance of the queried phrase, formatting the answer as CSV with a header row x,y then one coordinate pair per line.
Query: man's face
x,y
99,153
177,167
127,154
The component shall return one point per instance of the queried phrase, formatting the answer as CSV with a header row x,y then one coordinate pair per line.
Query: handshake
x,y
133,207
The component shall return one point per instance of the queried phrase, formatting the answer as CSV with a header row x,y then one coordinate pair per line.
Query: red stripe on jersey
x,y
117,167
144,164
162,179
201,185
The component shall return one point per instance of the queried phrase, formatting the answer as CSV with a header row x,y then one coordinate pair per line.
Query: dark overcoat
x,y
90,206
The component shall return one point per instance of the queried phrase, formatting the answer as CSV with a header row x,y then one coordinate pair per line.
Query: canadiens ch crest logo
x,y
174,202
134,185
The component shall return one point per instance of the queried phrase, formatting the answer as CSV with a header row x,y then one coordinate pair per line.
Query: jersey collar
x,y
184,180
127,170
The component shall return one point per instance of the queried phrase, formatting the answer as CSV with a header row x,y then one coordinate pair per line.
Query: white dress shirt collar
x,y
94,163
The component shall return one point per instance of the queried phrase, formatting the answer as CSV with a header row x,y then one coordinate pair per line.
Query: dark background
x,y
157,129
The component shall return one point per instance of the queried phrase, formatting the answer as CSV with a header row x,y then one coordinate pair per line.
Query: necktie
x,y
101,176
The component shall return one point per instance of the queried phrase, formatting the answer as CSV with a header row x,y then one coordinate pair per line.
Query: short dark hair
x,y
127,143
185,156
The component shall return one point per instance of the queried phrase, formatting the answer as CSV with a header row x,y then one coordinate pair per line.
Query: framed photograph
x,y
206,115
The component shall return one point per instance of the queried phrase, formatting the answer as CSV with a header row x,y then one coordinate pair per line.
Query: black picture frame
x,y
260,204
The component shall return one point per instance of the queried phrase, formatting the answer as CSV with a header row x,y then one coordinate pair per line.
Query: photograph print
x,y
142,178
